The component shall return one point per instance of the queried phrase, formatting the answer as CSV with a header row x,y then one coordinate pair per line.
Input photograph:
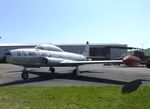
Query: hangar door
x,y
97,53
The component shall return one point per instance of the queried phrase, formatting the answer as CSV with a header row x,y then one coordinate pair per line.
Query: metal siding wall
x,y
115,53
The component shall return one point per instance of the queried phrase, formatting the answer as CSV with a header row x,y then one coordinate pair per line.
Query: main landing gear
x,y
52,69
25,74
148,64
76,71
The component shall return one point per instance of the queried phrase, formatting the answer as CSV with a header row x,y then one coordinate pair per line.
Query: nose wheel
x,y
25,74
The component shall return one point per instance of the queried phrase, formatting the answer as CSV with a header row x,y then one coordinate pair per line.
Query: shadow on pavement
x,y
45,76
128,87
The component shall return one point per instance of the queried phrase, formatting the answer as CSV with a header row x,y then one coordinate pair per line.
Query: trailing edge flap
x,y
71,62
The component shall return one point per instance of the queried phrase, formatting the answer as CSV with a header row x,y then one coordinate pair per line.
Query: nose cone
x,y
131,60
8,53
4,57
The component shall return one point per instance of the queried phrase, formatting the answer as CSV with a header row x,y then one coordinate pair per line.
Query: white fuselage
x,y
36,57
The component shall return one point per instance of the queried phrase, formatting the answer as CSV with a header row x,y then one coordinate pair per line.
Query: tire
x,y
148,65
25,75
74,72
52,70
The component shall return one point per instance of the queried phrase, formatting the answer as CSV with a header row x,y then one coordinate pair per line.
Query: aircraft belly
x,y
27,61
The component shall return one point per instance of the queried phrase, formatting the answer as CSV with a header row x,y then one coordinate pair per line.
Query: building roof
x,y
29,45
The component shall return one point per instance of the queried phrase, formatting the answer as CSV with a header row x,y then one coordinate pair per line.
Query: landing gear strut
x,y
52,69
76,71
25,74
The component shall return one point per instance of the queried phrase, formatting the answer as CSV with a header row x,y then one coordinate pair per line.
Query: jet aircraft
x,y
49,55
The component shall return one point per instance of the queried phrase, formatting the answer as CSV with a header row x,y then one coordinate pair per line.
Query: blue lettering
x,y
18,53
32,53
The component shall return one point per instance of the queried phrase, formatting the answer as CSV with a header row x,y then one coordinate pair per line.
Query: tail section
x,y
87,51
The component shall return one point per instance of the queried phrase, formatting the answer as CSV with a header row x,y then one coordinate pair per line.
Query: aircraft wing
x,y
78,63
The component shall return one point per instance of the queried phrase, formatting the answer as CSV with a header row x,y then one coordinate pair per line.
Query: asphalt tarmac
x,y
90,75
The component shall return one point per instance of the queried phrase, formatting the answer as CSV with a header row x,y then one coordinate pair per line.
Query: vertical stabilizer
x,y
87,51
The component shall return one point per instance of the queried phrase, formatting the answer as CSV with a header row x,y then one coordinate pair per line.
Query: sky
x,y
75,21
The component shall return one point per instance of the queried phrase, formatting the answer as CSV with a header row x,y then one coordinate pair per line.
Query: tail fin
x,y
87,51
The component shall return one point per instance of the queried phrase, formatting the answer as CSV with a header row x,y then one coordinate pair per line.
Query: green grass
x,y
100,97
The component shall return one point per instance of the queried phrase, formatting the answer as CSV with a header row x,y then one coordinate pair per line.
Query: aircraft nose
x,y
3,58
8,53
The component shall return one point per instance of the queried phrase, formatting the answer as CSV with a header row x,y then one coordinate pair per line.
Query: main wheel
x,y
148,65
52,70
74,72
25,75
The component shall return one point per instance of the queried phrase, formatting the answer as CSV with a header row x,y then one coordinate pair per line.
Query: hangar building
x,y
97,51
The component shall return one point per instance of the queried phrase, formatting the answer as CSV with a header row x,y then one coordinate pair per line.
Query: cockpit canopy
x,y
48,47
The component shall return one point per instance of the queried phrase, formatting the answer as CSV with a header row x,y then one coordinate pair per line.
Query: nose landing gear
x,y
25,74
